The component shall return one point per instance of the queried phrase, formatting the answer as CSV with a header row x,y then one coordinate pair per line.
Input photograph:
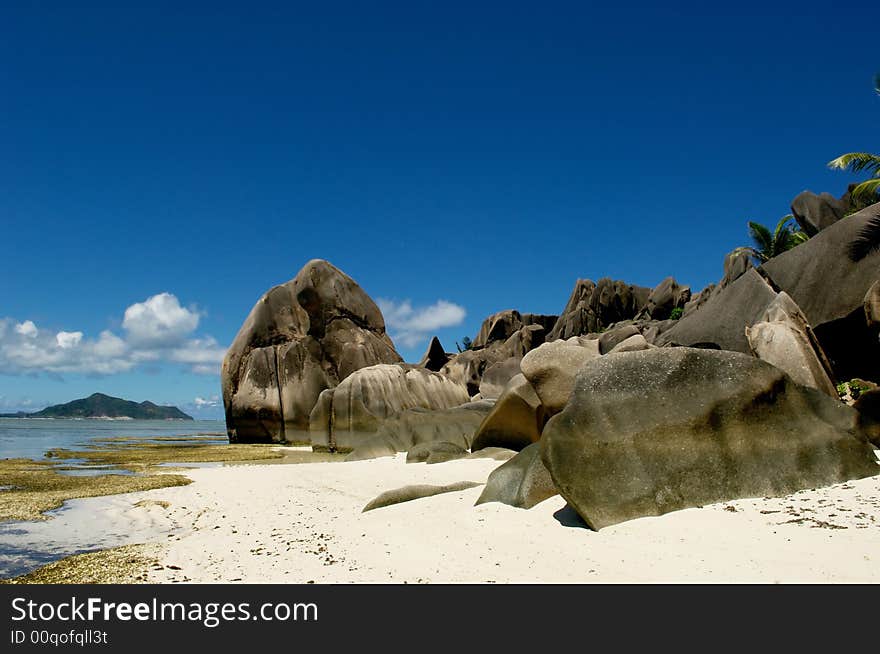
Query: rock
x,y
699,299
516,420
498,327
496,453
300,338
830,290
816,212
369,396
522,482
524,340
784,339
721,322
615,335
455,425
435,356
319,421
373,447
548,322
436,452
871,305
593,306
868,421
667,295
635,343
409,493
736,264
551,370
497,376
645,433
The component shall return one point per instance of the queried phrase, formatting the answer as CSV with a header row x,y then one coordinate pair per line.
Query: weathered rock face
x,y
720,323
522,482
501,326
830,289
365,399
497,376
435,356
551,370
816,212
615,335
868,408
416,492
300,338
872,307
456,425
668,295
593,306
645,433
785,340
515,421
435,452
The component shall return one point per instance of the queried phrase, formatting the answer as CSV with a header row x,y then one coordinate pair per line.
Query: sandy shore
x,y
303,523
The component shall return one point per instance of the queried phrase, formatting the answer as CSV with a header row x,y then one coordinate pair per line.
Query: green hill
x,y
99,405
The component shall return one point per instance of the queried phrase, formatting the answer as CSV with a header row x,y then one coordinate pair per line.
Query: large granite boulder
x,y
667,296
515,421
419,426
816,212
300,338
435,356
551,370
435,452
830,289
720,323
497,377
645,433
523,481
416,492
784,339
364,400
868,408
593,306
871,305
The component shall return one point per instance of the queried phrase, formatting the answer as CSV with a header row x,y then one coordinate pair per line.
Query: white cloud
x,y
26,328
158,329
202,403
410,325
67,340
159,321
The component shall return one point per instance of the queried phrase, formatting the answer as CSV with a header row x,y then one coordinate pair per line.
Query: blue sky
x,y
161,167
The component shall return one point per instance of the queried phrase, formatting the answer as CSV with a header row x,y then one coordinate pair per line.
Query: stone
x,y
454,425
515,421
868,421
495,453
721,322
665,297
416,492
635,343
816,212
300,338
369,396
785,340
522,482
435,356
373,447
830,290
435,452
871,305
498,327
551,370
497,376
645,433
593,306
615,335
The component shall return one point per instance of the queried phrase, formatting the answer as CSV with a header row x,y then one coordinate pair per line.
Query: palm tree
x,y
868,191
770,244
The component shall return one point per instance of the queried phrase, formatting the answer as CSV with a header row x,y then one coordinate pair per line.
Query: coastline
x,y
304,523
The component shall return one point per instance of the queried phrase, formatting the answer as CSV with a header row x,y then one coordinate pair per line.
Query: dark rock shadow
x,y
568,517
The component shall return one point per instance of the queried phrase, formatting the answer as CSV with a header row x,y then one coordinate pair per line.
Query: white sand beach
x,y
304,523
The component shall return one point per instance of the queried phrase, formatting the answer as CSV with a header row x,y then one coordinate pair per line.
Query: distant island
x,y
99,405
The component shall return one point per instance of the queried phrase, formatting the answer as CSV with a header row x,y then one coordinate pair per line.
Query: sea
x,y
88,524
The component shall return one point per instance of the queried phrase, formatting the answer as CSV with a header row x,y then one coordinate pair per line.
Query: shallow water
x,y
30,438
79,526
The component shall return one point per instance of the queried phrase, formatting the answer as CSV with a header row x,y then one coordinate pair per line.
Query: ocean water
x,y
82,525
30,438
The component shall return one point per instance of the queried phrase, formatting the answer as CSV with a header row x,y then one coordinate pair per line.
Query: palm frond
x,y
762,237
867,241
866,192
752,252
857,162
797,237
